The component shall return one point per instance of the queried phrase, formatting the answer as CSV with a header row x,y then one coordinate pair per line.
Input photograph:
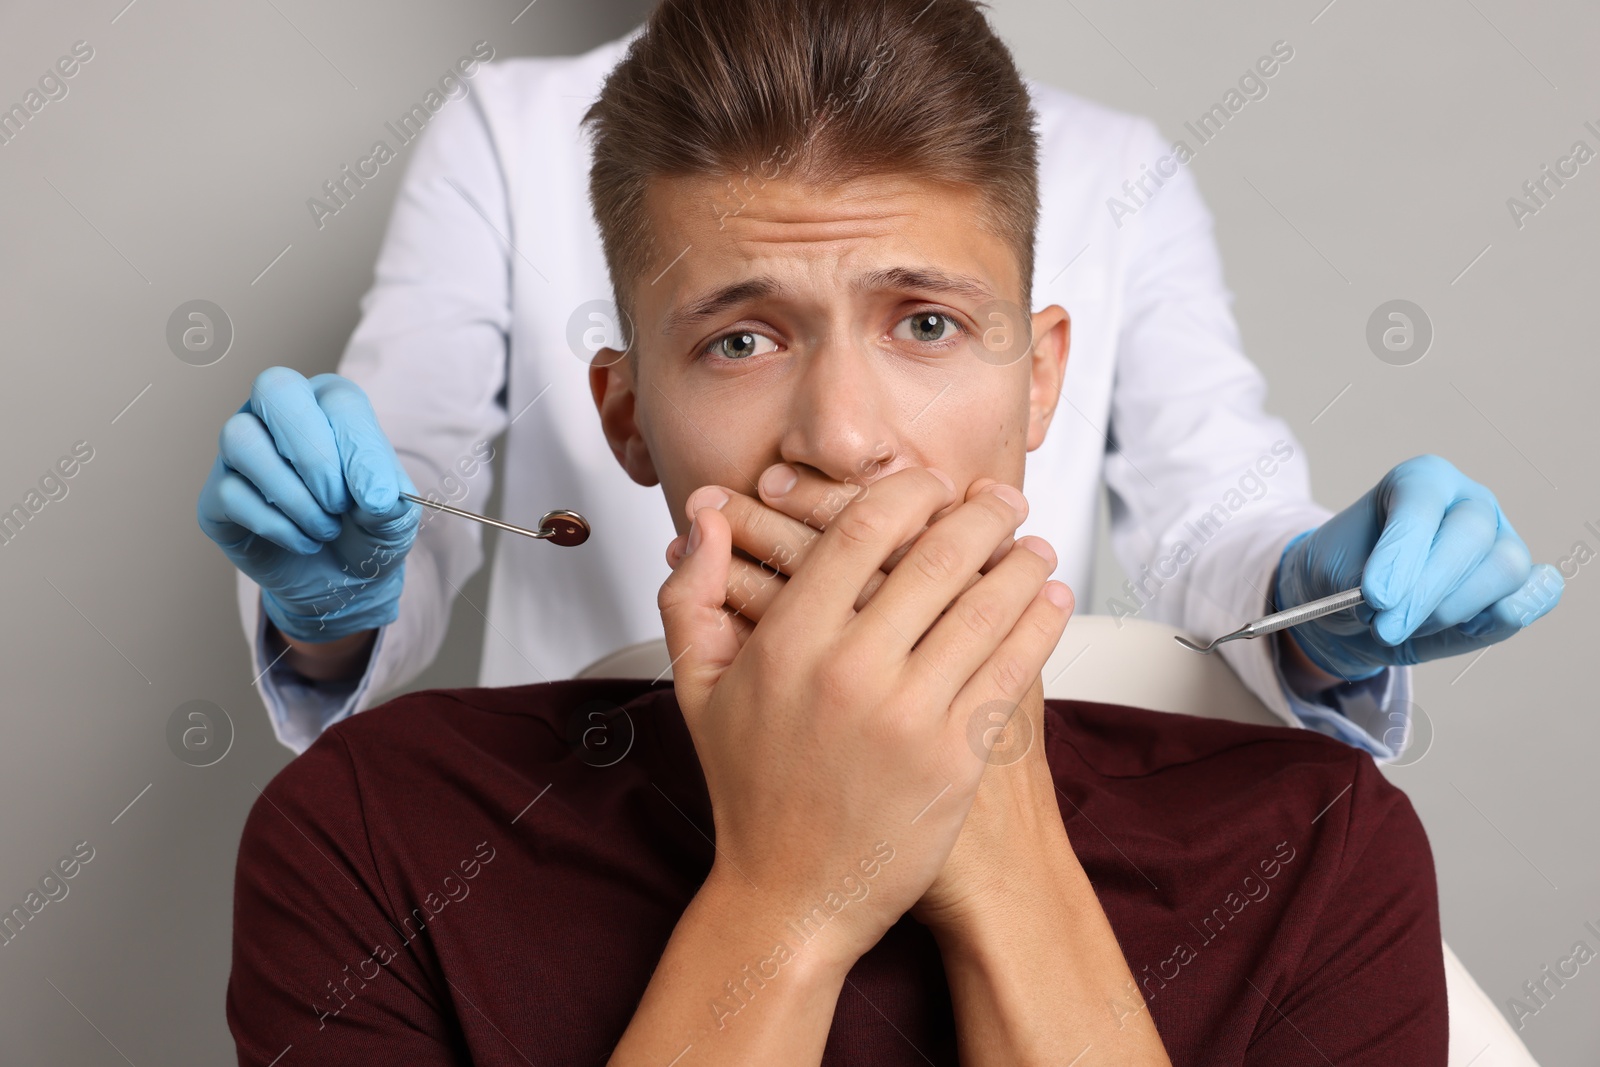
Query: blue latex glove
x,y
1440,567
304,497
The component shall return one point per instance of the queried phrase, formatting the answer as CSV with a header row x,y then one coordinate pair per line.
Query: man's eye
x,y
927,326
742,345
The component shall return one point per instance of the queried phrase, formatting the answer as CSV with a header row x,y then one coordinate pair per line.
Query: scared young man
x,y
802,848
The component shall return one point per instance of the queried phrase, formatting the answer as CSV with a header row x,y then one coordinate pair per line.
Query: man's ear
x,y
1052,336
611,382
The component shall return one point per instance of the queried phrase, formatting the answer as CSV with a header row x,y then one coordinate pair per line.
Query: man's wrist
x,y
742,915
1012,845
1027,867
1038,932
721,987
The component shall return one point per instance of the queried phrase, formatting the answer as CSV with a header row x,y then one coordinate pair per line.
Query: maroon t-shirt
x,y
489,876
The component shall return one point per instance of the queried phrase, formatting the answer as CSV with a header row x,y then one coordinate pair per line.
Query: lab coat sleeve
x,y
430,352
298,708
1206,488
1373,714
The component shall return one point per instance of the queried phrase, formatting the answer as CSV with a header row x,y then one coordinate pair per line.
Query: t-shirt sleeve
x,y
317,965
1370,988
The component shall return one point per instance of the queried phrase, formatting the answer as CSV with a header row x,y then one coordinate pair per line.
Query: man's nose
x,y
843,413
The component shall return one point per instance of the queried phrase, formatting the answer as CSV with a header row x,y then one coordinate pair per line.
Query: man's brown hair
x,y
823,91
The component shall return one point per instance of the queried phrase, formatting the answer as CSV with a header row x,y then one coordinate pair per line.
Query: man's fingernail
x,y
943,477
1041,548
1011,495
707,496
694,538
1058,594
778,479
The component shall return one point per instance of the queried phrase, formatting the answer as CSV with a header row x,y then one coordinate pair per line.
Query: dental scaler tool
x,y
1282,620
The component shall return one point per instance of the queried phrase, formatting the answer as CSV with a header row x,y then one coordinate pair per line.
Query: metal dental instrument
x,y
560,527
1283,619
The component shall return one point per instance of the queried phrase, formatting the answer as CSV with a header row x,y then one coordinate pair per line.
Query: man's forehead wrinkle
x,y
776,219
825,210
758,236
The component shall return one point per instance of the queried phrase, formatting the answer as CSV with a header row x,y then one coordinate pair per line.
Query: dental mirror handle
x,y
560,527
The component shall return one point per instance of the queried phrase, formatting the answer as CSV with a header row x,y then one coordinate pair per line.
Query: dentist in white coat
x,y
491,292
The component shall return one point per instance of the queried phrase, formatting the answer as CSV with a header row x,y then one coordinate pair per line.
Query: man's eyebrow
x,y
716,302
923,279
911,279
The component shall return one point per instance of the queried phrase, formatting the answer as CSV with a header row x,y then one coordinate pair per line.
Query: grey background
x,y
178,165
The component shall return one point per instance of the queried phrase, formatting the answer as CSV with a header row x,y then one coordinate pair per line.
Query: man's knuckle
x,y
896,725
863,524
669,596
935,562
773,655
1009,674
978,615
835,688
1041,626
996,508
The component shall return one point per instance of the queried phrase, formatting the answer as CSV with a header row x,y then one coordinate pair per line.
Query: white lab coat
x,y
491,250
